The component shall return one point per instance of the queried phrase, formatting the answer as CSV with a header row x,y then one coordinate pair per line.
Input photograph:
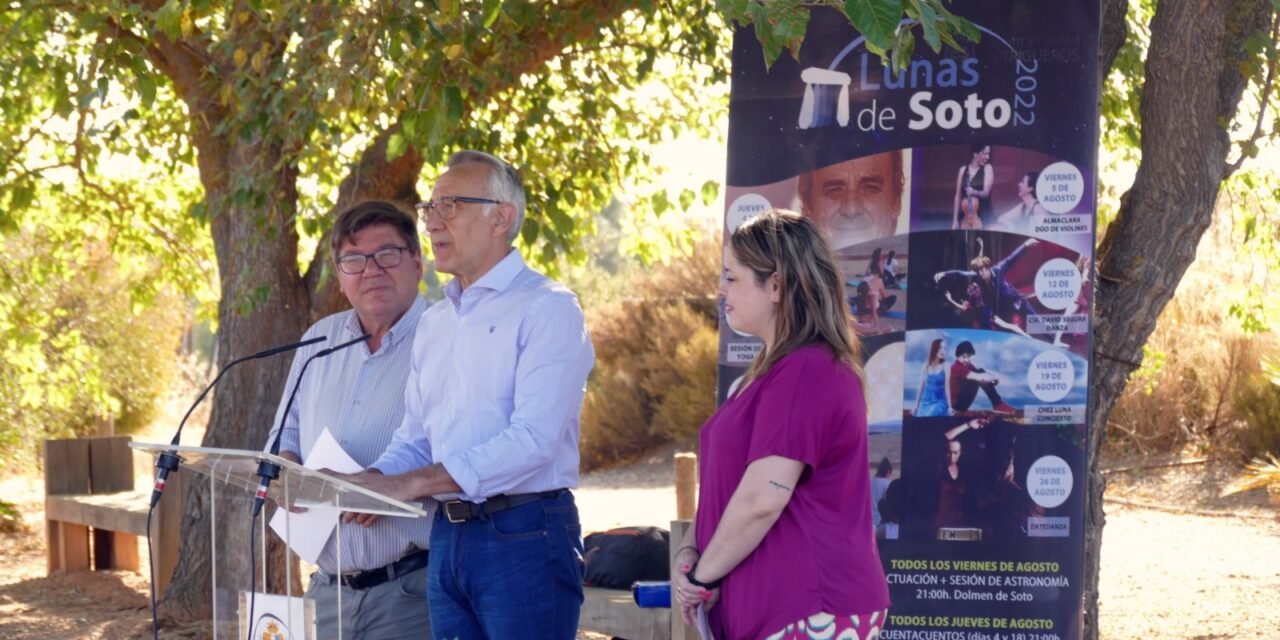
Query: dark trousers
x,y
968,391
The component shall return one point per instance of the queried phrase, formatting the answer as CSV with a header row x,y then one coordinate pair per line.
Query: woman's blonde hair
x,y
813,308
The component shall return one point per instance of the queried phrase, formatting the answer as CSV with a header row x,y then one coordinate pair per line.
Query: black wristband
x,y
714,584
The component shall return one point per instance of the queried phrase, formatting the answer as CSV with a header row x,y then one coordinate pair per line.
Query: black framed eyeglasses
x,y
446,207
355,263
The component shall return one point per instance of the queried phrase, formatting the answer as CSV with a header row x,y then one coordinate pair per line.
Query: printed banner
x,y
960,197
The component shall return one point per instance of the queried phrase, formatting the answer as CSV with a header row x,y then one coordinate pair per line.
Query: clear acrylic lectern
x,y
233,481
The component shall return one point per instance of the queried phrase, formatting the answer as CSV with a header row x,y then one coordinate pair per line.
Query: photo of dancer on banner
x,y
988,480
964,372
1001,282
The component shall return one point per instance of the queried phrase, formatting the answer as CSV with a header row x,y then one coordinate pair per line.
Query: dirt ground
x,y
1178,560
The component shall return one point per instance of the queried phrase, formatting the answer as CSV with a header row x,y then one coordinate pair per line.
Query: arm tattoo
x,y
780,485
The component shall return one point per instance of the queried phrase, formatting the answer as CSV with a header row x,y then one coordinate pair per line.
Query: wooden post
x,y
679,630
686,486
686,505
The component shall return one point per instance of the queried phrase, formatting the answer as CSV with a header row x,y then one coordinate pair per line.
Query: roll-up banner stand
x,y
959,195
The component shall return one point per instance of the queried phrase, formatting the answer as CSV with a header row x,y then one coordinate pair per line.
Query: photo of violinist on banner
x,y
973,190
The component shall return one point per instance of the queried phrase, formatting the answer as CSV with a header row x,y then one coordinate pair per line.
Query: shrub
x,y
1257,401
654,379
77,346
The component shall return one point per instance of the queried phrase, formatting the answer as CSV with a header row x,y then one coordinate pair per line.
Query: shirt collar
x,y
405,326
497,278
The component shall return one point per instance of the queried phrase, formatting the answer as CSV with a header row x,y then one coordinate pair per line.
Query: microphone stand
x,y
268,470
168,461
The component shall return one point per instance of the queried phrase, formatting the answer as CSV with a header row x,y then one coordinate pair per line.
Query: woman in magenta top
x,y
782,545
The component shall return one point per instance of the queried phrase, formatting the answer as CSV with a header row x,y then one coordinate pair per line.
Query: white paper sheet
x,y
700,618
310,530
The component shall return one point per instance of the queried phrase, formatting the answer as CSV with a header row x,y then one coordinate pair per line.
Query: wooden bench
x,y
93,514
614,611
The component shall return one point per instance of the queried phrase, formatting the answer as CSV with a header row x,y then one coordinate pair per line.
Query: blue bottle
x,y
652,595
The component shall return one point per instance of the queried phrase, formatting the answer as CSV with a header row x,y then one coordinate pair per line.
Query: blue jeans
x,y
514,574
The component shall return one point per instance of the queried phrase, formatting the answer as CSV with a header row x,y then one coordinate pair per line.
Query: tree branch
x,y
1265,97
1115,30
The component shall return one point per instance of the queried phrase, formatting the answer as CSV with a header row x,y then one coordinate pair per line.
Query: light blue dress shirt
x,y
496,385
359,397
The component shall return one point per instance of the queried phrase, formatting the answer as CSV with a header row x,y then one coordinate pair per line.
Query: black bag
x,y
616,558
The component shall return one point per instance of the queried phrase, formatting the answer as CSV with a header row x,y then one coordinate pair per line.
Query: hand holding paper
x,y
308,530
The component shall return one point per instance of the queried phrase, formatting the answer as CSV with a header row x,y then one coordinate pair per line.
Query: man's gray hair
x,y
504,183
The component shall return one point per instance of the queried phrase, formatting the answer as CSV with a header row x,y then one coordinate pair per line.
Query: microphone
x,y
268,470
168,461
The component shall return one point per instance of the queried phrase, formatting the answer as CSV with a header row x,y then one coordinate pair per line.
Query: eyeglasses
x,y
355,263
446,207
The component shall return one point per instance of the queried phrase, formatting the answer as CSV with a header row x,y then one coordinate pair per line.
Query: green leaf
x,y
710,190
453,103
24,193
146,89
562,223
790,26
875,19
929,23
735,9
687,198
903,48
396,146
169,19
965,28
491,10
660,202
646,64
529,232
395,48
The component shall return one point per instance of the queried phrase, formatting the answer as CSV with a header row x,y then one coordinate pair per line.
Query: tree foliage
x,y
889,26
218,138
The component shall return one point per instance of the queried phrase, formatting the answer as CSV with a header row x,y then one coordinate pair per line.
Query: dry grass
x,y
1187,394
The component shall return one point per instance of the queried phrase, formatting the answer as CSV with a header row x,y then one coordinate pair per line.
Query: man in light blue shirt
x,y
491,420
374,579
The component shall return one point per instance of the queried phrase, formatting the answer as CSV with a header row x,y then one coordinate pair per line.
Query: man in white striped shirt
x,y
375,581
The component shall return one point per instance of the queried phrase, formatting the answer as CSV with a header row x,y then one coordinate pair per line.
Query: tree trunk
x,y
264,303
373,178
1193,83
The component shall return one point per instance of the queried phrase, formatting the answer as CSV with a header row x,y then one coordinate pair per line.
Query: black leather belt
x,y
456,511
375,577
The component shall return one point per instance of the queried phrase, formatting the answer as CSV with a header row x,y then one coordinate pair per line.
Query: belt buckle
x,y
448,513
